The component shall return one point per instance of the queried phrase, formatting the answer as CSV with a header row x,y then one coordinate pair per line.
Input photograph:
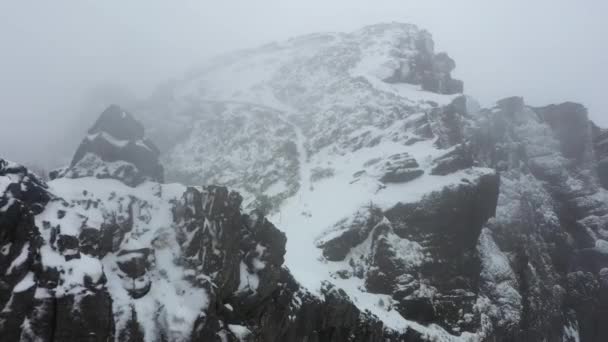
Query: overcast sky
x,y
53,52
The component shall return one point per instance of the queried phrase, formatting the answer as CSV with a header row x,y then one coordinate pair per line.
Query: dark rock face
x,y
353,233
94,321
333,319
119,124
400,168
461,158
431,71
600,146
19,239
423,254
571,125
448,123
453,267
29,310
550,219
134,265
269,302
115,148
527,260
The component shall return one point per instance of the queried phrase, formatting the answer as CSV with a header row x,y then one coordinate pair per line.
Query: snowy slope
x,y
319,92
150,209
360,120
330,97
374,121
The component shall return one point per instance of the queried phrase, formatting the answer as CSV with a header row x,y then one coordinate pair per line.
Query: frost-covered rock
x,y
252,148
115,148
551,212
421,254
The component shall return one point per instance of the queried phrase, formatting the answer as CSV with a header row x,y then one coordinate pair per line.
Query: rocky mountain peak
x,y
119,124
115,147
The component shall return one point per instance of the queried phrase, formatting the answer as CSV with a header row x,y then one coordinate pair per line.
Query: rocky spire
x,y
115,147
431,70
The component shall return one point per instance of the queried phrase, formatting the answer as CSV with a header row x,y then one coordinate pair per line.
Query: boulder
x,y
570,123
399,168
429,70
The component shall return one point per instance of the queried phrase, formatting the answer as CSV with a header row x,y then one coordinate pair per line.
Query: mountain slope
x,y
319,93
379,148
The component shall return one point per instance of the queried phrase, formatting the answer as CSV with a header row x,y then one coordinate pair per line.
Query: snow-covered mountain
x,y
399,209
278,114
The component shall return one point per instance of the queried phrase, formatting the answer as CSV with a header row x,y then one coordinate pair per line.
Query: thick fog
x,y
60,61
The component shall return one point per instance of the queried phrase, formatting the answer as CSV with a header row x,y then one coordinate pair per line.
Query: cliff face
x,y
551,217
398,209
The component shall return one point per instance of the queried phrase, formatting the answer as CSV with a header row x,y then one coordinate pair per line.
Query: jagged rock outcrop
x,y
29,310
115,148
400,168
600,140
550,223
430,70
251,293
101,259
231,260
422,254
551,212
535,270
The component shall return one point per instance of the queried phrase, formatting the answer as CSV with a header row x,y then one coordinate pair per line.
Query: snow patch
x,y
241,332
20,259
25,284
